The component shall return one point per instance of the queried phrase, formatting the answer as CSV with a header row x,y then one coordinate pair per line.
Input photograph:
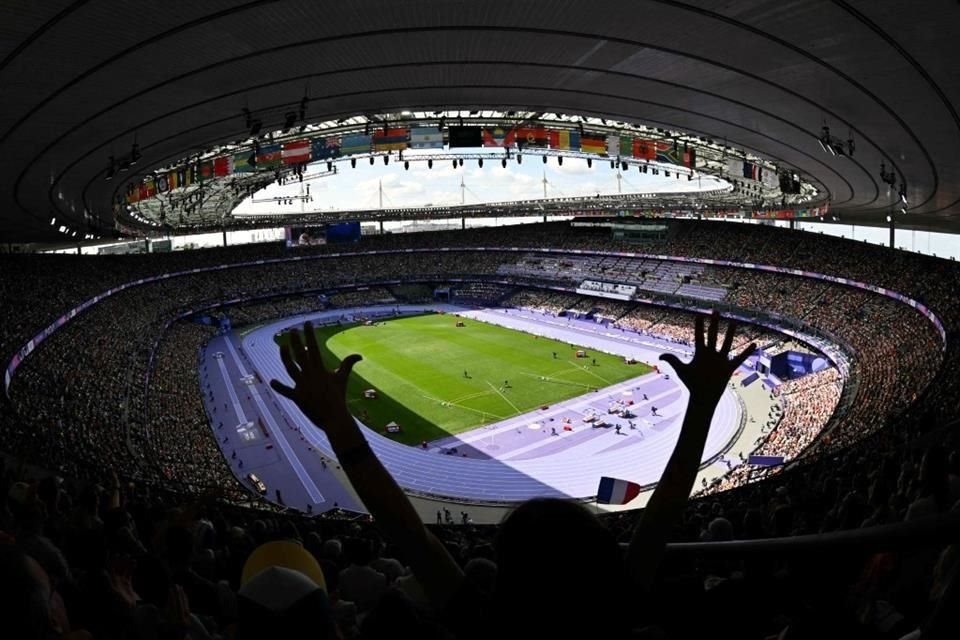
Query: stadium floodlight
x,y
372,160
544,159
353,162
386,159
454,163
589,163
559,159
53,222
503,163
519,158
460,161
329,165
430,164
480,163
406,164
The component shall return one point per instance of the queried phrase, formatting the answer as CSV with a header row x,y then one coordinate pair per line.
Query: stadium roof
x,y
82,81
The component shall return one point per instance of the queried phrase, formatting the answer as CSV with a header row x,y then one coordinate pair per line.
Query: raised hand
x,y
320,394
706,376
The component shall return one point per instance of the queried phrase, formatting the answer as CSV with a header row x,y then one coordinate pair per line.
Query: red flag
x,y
296,152
222,166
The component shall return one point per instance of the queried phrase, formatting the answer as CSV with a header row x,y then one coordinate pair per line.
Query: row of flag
x,y
299,152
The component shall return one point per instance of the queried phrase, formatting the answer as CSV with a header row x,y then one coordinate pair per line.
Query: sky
x,y
419,186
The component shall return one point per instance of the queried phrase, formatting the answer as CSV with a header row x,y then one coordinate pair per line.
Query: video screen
x,y
306,236
343,232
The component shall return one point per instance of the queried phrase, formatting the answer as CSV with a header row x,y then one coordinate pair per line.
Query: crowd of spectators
x,y
80,408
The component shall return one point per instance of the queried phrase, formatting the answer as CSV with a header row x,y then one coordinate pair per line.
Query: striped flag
x,y
426,138
356,143
593,144
613,146
391,139
295,152
565,140
532,137
269,157
626,146
614,491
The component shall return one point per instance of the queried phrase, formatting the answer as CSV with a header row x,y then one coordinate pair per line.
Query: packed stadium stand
x,y
810,483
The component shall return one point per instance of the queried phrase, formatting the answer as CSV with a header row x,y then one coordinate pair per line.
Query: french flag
x,y
614,491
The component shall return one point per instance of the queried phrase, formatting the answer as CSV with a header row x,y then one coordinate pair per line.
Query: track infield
x,y
434,378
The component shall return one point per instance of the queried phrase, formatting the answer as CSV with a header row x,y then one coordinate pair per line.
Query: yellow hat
x,y
283,553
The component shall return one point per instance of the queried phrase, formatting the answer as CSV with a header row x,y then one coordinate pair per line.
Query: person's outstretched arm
x,y
321,396
706,377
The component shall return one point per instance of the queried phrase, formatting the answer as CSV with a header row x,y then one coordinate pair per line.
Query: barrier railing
x,y
937,530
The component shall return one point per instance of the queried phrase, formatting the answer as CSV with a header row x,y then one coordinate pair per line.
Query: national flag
x,y
531,137
391,139
613,146
222,166
269,157
565,140
426,138
172,179
593,144
148,189
161,183
325,148
644,149
245,161
182,174
669,153
690,157
499,137
355,143
465,137
133,194
626,146
771,179
752,171
295,152
614,491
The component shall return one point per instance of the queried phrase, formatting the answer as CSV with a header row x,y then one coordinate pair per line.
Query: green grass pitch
x,y
417,364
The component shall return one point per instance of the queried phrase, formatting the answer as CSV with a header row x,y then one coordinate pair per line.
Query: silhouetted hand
x,y
706,376
319,393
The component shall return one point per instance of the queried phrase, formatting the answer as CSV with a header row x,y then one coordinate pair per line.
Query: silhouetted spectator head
x,y
719,530
24,596
549,549
357,551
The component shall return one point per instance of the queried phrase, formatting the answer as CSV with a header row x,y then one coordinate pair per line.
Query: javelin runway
x,y
555,452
